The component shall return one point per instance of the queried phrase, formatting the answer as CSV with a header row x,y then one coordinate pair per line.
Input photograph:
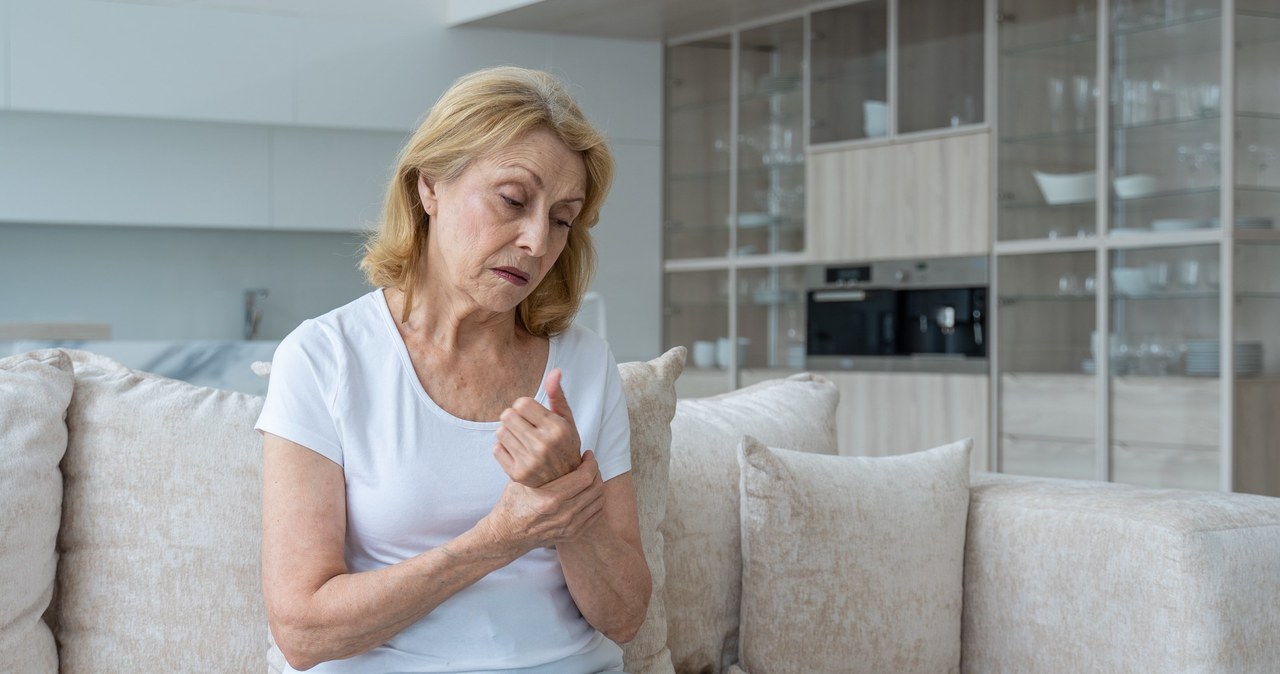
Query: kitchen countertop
x,y
221,364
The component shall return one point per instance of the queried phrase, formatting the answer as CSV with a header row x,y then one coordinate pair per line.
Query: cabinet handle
x,y
840,296
1002,17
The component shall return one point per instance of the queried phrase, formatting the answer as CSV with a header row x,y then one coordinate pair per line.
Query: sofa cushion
x,y
862,558
1142,580
35,389
651,402
161,525
701,531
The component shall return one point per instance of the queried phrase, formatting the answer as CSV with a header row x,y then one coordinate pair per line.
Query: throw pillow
x,y
161,525
701,531
35,389
865,556
651,401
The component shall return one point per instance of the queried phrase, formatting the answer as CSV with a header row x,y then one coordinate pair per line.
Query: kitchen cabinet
x,y
247,176
1137,263
796,141
912,198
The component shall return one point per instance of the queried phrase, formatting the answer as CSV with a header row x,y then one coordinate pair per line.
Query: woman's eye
x,y
563,223
511,202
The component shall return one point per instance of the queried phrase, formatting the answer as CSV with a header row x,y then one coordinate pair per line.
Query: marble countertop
x,y
221,364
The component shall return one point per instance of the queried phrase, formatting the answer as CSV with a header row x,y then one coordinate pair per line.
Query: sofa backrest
x,y
161,526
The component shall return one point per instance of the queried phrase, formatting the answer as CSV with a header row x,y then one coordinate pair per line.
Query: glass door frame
x,y
1103,245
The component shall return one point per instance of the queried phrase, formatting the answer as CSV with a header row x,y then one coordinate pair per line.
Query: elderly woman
x,y
446,459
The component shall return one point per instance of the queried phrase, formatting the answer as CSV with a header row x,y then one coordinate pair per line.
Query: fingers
x,y
555,395
541,445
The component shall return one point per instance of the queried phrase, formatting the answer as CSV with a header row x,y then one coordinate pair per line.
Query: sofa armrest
x,y
1072,576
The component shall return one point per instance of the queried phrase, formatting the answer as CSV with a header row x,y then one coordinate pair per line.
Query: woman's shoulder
x,y
347,325
577,340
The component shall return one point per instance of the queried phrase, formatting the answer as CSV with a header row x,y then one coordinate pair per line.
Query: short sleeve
x,y
614,450
304,373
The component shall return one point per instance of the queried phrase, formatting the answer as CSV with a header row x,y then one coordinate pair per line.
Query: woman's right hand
x,y
559,511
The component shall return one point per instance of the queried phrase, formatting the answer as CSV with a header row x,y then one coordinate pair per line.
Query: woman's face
x,y
497,229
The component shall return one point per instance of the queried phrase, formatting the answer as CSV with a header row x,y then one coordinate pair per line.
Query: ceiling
x,y
634,19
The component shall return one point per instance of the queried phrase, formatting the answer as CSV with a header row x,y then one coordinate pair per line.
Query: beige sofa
x,y
129,526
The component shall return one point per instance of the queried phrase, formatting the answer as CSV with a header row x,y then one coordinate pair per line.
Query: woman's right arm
x,y
319,611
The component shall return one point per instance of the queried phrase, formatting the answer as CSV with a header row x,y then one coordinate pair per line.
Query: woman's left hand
x,y
535,444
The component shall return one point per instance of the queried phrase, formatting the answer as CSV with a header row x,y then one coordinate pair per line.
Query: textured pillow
x,y
650,389
35,389
701,531
161,525
861,558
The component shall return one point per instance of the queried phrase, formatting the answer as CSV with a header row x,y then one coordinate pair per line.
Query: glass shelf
x,y
698,106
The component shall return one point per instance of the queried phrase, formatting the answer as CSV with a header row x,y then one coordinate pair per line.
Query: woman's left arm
x,y
605,567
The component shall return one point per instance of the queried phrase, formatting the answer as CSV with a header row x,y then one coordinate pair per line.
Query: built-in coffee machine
x,y
899,314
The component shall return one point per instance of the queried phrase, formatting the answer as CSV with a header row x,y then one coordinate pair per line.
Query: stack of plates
x,y
1203,356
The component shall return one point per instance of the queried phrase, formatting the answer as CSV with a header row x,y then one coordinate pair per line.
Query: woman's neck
x,y
451,326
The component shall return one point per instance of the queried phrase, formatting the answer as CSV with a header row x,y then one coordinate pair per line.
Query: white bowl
x,y
1134,186
1130,280
1067,188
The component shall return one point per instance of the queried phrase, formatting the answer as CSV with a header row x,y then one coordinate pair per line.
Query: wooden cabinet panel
x,y
1166,410
942,189
1049,406
883,414
907,199
1048,458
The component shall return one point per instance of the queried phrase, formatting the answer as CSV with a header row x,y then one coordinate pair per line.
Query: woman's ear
x,y
427,194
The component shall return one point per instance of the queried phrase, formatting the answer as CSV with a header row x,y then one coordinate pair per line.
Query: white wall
x,y
115,114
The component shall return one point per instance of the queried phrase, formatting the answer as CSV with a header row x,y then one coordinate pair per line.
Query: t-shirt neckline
x,y
379,296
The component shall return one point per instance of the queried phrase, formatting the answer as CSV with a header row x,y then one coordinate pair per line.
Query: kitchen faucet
x,y
252,312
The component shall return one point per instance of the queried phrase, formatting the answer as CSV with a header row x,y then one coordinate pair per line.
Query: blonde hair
x,y
481,113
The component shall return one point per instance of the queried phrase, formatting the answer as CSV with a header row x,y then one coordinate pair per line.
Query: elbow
x,y
629,626
298,649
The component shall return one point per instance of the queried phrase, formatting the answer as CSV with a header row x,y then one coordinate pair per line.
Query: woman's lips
x,y
512,275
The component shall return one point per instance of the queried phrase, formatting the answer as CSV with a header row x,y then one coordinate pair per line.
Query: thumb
x,y
555,395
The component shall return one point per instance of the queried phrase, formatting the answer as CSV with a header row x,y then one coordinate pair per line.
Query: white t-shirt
x,y
416,477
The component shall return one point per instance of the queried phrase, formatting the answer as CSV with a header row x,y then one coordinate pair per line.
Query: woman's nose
x,y
535,233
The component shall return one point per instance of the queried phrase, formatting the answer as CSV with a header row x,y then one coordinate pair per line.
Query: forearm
x,y
354,612
608,579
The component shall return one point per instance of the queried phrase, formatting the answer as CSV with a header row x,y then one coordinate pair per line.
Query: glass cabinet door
x,y
1256,434
771,150
849,90
1166,115
771,326
940,63
1257,150
1047,351
1165,350
697,317
1048,92
698,109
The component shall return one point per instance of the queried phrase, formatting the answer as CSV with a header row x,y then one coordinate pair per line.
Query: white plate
x,y
1128,231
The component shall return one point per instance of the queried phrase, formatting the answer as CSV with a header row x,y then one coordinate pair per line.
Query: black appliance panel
x,y
844,322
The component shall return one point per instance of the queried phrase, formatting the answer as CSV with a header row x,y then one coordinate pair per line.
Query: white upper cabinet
x,y
330,180
103,170
123,59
